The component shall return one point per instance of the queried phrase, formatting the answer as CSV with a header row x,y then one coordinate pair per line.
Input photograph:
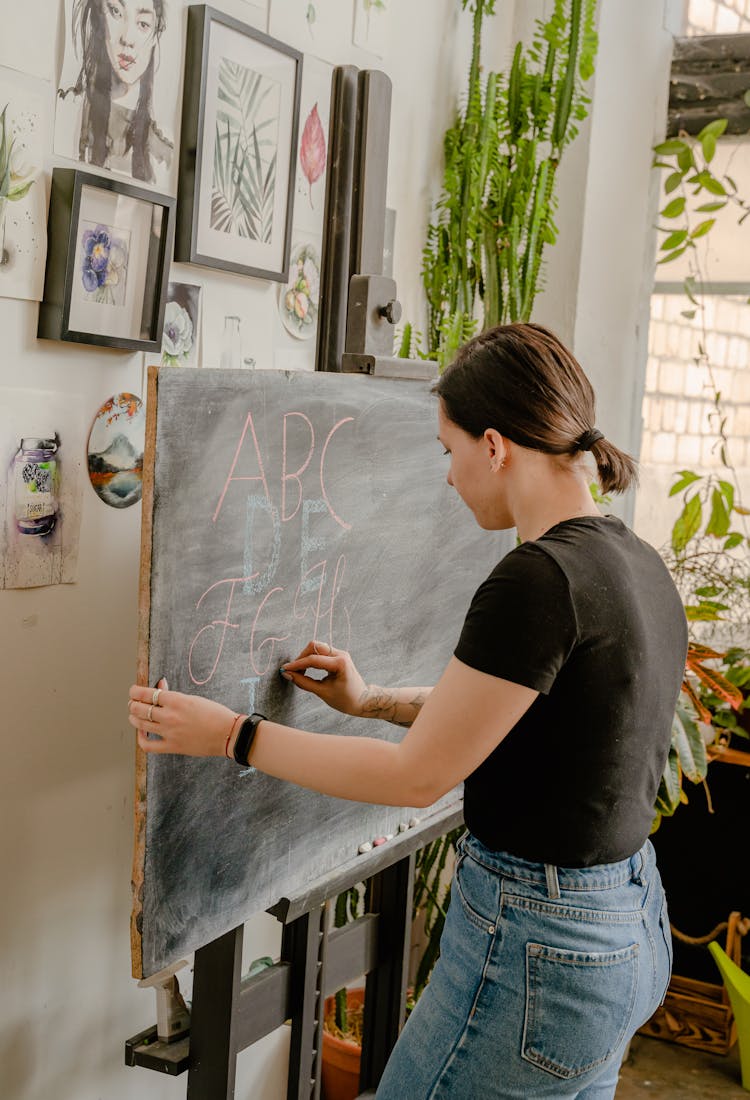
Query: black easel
x,y
358,309
230,1013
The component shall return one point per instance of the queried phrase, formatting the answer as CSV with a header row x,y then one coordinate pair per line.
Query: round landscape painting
x,y
115,451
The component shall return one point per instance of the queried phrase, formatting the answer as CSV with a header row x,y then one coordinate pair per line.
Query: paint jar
x,y
231,350
36,486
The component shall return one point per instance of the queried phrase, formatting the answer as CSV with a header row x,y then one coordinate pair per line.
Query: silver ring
x,y
155,697
150,712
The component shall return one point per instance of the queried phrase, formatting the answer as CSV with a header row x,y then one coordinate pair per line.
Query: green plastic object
x,y
737,983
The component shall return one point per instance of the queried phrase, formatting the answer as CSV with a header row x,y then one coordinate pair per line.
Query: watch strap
x,y
245,737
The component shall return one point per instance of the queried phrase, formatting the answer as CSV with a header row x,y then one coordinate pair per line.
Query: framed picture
x,y
109,245
238,147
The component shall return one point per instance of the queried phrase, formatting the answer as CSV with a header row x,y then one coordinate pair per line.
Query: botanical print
x,y
179,346
115,451
370,25
245,151
312,150
40,488
104,263
23,207
312,154
298,300
116,103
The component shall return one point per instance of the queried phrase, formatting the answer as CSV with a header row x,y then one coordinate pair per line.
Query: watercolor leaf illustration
x,y
312,150
245,151
13,185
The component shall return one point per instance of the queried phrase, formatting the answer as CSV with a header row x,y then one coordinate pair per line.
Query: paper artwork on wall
x,y
319,27
298,300
41,482
24,126
115,450
180,346
312,154
117,103
371,25
295,332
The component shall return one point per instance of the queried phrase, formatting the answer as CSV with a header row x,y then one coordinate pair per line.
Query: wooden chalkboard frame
x,y
144,618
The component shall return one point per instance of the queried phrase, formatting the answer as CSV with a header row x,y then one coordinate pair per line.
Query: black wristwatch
x,y
245,738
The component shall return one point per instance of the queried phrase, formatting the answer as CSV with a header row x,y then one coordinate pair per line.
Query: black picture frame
x,y
58,318
193,209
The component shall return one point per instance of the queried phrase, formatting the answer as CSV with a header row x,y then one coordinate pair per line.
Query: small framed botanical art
x,y
240,119
107,262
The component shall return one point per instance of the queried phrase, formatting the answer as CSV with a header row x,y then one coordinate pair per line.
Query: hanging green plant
x,y
482,262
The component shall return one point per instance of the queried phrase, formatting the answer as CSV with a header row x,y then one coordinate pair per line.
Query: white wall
x,y
68,653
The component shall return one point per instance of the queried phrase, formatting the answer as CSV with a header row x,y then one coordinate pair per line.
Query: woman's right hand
x,y
342,688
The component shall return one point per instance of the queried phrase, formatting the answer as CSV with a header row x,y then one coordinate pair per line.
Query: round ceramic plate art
x,y
115,450
298,300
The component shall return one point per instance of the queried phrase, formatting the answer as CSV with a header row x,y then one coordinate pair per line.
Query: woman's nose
x,y
127,32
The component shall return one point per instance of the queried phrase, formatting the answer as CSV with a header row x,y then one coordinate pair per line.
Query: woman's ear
x,y
497,449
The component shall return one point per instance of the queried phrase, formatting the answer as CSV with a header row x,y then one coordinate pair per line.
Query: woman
x,y
555,710
118,43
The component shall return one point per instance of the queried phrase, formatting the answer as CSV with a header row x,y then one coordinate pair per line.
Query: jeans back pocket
x,y
579,1006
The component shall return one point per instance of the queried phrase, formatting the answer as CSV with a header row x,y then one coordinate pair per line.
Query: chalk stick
x,y
402,826
378,841
366,847
413,821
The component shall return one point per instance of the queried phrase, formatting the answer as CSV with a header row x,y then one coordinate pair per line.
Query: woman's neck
x,y
545,497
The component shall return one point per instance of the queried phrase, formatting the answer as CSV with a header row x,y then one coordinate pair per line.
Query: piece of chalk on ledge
x,y
366,847
402,826
378,841
413,821
389,836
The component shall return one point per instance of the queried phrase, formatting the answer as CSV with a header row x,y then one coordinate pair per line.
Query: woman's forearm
x,y
398,705
362,769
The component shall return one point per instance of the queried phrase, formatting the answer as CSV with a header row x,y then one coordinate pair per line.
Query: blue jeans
x,y
544,975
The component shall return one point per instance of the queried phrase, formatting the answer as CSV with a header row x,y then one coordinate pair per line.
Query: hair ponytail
x,y
616,471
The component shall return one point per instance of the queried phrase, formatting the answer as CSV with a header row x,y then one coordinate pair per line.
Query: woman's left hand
x,y
186,724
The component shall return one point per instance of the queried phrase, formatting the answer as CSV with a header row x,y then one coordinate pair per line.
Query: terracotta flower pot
x,y
341,1058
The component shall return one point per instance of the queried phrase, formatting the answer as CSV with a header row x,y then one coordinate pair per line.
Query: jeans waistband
x,y
602,876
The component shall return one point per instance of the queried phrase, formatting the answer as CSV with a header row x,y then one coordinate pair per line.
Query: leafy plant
x,y
708,549
432,898
495,216
348,908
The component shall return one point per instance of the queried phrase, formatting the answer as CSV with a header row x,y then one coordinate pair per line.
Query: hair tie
x,y
588,439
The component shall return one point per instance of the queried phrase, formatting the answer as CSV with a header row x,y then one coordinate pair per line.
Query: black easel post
x,y
303,947
389,894
213,1051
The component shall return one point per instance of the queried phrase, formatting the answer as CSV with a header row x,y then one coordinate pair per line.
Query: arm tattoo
x,y
378,702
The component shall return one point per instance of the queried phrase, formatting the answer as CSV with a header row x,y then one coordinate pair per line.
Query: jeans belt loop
x,y
638,864
553,884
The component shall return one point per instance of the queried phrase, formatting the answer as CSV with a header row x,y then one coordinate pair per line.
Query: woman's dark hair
x,y
95,84
520,380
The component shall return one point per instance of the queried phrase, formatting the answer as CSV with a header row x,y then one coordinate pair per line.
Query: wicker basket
x,y
698,1014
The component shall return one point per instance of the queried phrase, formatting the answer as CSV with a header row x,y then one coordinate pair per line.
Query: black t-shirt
x,y
588,615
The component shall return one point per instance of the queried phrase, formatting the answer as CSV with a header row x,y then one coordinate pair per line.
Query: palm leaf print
x,y
245,153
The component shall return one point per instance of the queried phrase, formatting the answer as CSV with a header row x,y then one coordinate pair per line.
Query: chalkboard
x,y
281,507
